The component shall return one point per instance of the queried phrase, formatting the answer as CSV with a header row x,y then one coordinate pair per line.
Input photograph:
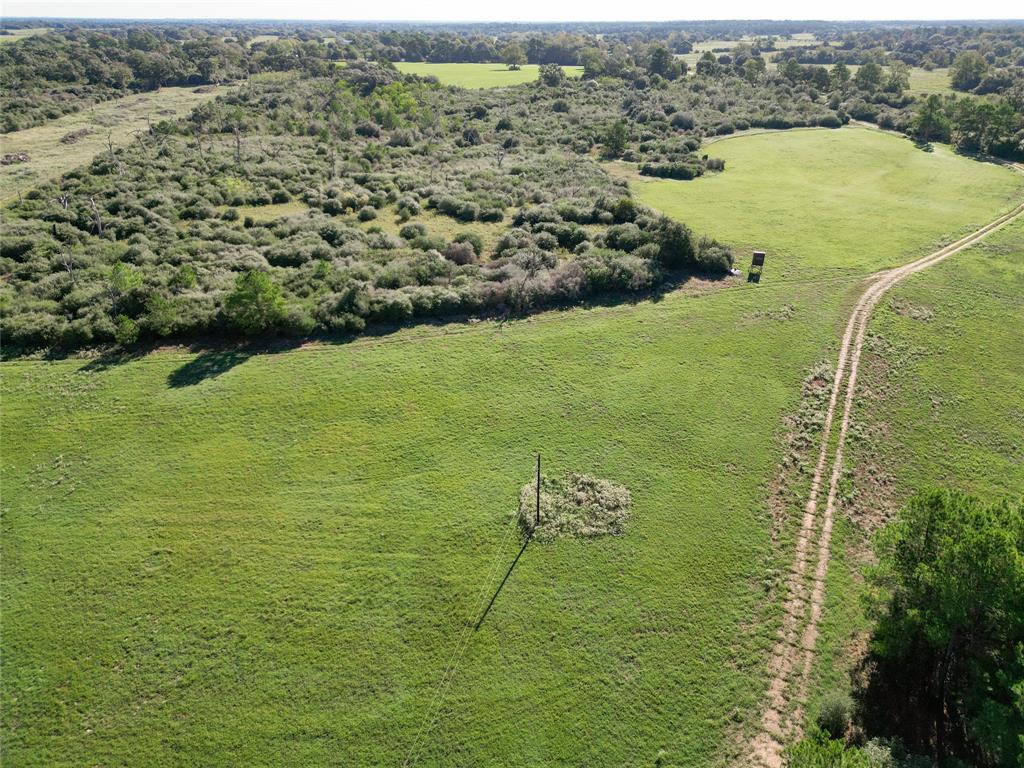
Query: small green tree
x,y
754,69
552,75
161,315
839,75
256,304
931,120
676,247
663,63
184,278
126,330
898,79
615,138
968,69
513,56
869,77
123,278
947,654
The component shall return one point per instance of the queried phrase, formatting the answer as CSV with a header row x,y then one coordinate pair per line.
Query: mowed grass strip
x,y
851,199
118,119
478,75
234,560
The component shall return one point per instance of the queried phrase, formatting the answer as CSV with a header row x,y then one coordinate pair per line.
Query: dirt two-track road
x,y
793,654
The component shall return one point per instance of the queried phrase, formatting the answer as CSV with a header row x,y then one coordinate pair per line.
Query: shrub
x,y
712,256
255,305
682,121
367,213
391,306
126,330
460,253
624,237
834,714
681,171
473,239
412,231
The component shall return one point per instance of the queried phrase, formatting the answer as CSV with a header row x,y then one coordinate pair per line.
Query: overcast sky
x,y
519,10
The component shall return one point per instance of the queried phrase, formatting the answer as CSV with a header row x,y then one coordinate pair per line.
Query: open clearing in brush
x,y
478,75
230,556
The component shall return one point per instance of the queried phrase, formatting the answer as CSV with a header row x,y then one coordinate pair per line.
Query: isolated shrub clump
x,y
575,505
834,714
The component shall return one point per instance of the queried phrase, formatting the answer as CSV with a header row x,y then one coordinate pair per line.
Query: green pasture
x,y
923,81
851,200
270,560
14,35
478,75
118,121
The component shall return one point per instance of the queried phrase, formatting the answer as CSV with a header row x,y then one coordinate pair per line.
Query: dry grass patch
x,y
577,505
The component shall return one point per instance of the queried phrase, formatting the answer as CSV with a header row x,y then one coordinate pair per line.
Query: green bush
x,y
834,714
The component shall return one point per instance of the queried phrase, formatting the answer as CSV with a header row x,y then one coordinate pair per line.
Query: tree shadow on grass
x,y
108,360
208,364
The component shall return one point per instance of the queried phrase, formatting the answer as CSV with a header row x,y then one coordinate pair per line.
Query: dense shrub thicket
x,y
46,76
165,238
385,182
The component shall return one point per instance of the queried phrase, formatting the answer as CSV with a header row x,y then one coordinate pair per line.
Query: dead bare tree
x,y
96,217
198,131
68,265
63,199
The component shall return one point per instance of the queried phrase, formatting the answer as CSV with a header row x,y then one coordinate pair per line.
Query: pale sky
x,y
518,10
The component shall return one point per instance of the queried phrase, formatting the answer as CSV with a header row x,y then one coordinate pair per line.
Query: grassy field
x,y
221,558
922,81
942,404
478,75
270,212
49,157
270,560
847,200
439,225
21,34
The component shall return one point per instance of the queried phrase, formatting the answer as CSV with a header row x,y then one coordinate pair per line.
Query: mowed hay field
x,y
940,404
478,75
226,559
848,200
119,119
271,560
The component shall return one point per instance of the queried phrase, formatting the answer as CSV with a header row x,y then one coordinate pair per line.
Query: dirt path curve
x,y
793,655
